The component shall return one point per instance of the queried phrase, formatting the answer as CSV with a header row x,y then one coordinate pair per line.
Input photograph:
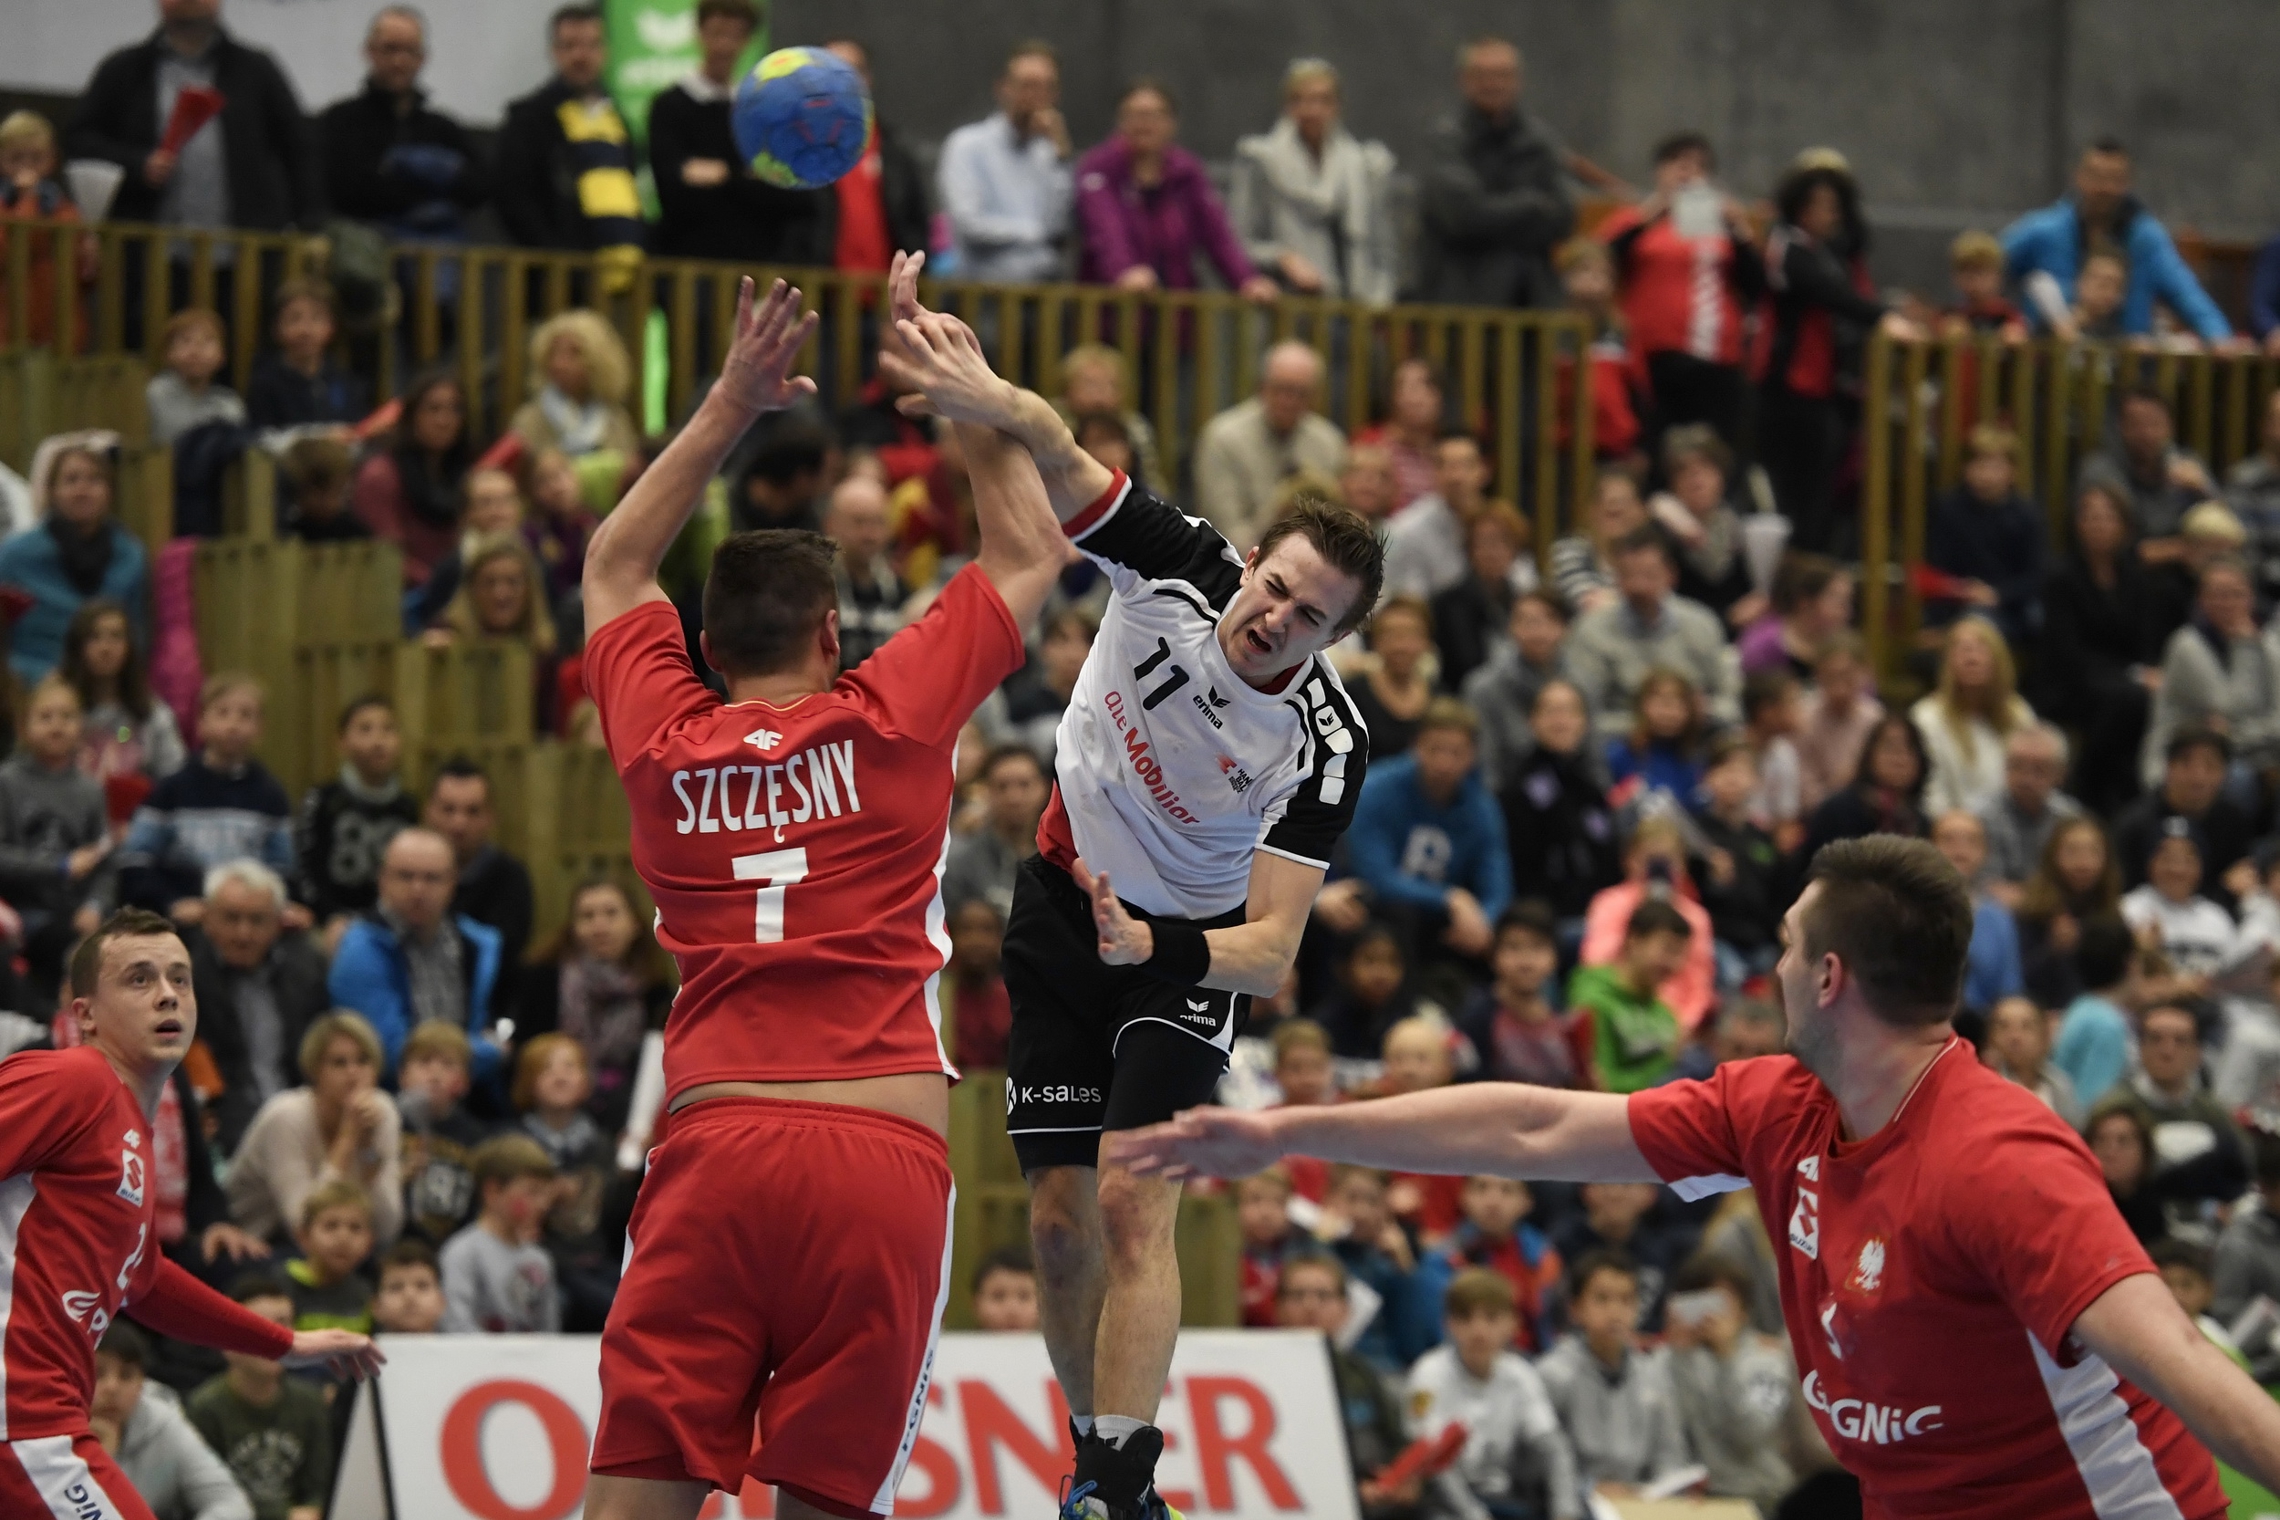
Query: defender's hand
x,y
768,339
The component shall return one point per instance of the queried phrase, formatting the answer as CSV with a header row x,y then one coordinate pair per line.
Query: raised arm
x,y
2138,1328
1509,1129
622,560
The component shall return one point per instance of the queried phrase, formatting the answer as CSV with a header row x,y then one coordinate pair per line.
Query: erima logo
x,y
1205,707
763,738
1203,1007
1859,1420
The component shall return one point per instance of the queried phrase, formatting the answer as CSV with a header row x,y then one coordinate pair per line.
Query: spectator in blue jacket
x,y
2101,209
412,959
1428,842
79,552
221,806
1993,970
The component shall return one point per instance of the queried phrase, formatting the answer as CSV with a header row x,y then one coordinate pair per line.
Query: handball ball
x,y
802,118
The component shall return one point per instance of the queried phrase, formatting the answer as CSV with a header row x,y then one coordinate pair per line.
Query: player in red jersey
x,y
77,1199
790,1251
1981,1336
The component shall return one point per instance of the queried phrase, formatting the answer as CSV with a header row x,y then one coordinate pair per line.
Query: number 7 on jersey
x,y
775,871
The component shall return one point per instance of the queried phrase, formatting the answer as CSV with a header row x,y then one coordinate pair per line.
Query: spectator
x,y
259,991
55,842
565,160
1992,971
1004,180
1093,381
1397,684
1310,198
983,864
2100,653
494,887
878,208
296,384
497,1279
2075,882
1663,750
779,487
1312,1295
1587,284
560,527
172,1471
1771,724
1518,1035
973,999
1735,1388
313,476
2220,671
1425,839
337,1128
554,1086
184,394
582,378
439,1134
1612,650
410,489
250,167
1246,452
1495,201
1704,529
2191,787
1376,1252
2198,1149
1833,721
494,510
2195,935
410,1300
1514,1460
334,1236
1969,718
1738,873
1558,825
1262,1221
411,960
2020,819
2019,1049
1146,208
1027,709
871,596
1989,537
1495,1235
1583,565
270,1430
222,806
1004,1291
29,191
604,982
2101,210
2142,467
1370,997
1472,619
79,550
1687,268
1615,1402
2248,1252
1634,1034
387,157
1416,419
1887,791
1813,328
2252,489
2121,1137
712,206
1425,540
1514,670
346,823
1812,601
1366,484
1976,272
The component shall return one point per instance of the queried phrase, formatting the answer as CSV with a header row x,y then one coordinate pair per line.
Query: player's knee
x,y
1060,1226
1137,1215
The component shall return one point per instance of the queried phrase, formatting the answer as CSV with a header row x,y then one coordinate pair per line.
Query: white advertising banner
x,y
497,1427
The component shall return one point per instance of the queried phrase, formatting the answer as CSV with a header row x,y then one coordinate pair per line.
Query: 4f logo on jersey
x,y
763,738
131,1174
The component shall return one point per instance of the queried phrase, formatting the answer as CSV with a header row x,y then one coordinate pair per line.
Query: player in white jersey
x,y
1207,763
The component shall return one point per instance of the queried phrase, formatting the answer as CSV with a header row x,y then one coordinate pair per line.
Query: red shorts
x,y
789,1265
67,1477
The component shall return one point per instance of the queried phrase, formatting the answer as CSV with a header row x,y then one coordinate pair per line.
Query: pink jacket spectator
x,y
1121,224
1692,992
379,500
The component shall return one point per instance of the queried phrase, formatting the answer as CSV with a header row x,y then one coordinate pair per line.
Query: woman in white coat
x,y
1309,197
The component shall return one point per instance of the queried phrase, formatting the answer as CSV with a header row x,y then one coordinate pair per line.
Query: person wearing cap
x,y
2191,787
2222,671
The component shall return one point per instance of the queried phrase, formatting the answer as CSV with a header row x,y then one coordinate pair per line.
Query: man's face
x,y
410,1301
1444,758
1361,1198
372,742
118,1389
977,939
416,881
1688,166
858,519
2169,1047
1643,577
1309,1299
1287,387
1286,610
2100,182
1459,474
1489,79
1313,108
2146,428
243,922
2192,780
2018,1033
1016,794
722,40
579,53
1960,838
1030,83
459,808
2031,772
1006,1302
395,50
143,1011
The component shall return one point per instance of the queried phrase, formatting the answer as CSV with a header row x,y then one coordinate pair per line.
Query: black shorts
x,y
1098,1047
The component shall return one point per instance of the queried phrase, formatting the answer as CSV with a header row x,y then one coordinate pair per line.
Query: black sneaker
x,y
1106,1473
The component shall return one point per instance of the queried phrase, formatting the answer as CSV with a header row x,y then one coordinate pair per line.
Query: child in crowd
x,y
335,1236
2096,1037
55,840
1976,266
439,1136
1519,1035
313,475
1514,1461
1005,1291
1587,277
1495,1234
1262,1214
2100,287
497,1278
494,510
2188,1270
1736,1389
131,738
297,385
553,1081
1369,999
1634,1033
184,394
410,1300
345,823
224,805
1834,721
1376,1253
1616,1217
1770,720
1312,1296
269,1429
1303,1075
1663,751
2169,913
562,524
1654,869
1418,1058
164,1460
1614,1401
976,1008
1987,536
1737,875
29,191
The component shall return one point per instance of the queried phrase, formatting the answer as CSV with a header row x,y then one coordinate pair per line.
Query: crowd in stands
x,y
1599,765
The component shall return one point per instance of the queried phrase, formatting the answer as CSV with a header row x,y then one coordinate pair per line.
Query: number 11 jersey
x,y
795,853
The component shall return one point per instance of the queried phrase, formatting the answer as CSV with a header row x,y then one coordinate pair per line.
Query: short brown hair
x,y
127,923
1695,440
1899,917
304,289
765,597
741,11
437,1039
1345,540
506,1158
1451,713
337,1194
1975,250
222,682
1479,1290
1030,47
186,319
408,1254
1299,1034
1311,1261
1991,438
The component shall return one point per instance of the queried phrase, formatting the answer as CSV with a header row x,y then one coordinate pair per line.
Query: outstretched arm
x,y
2138,1328
622,560
1510,1129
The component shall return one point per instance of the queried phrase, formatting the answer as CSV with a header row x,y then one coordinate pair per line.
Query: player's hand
x,y
1124,940
768,339
940,358
227,1239
1202,1142
902,288
343,1353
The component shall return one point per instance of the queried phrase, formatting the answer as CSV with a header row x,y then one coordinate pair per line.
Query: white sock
x,y
1083,1422
1114,1428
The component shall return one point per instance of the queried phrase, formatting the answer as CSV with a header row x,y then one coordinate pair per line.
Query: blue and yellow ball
x,y
802,118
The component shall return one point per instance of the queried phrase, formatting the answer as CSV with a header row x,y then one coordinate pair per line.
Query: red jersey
x,y
1679,294
795,853
77,1198
1931,1282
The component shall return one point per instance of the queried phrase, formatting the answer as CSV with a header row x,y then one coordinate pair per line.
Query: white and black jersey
x,y
1173,771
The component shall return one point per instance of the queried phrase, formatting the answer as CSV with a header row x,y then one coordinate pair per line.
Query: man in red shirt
x,y
791,1247
77,1195
1981,1335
